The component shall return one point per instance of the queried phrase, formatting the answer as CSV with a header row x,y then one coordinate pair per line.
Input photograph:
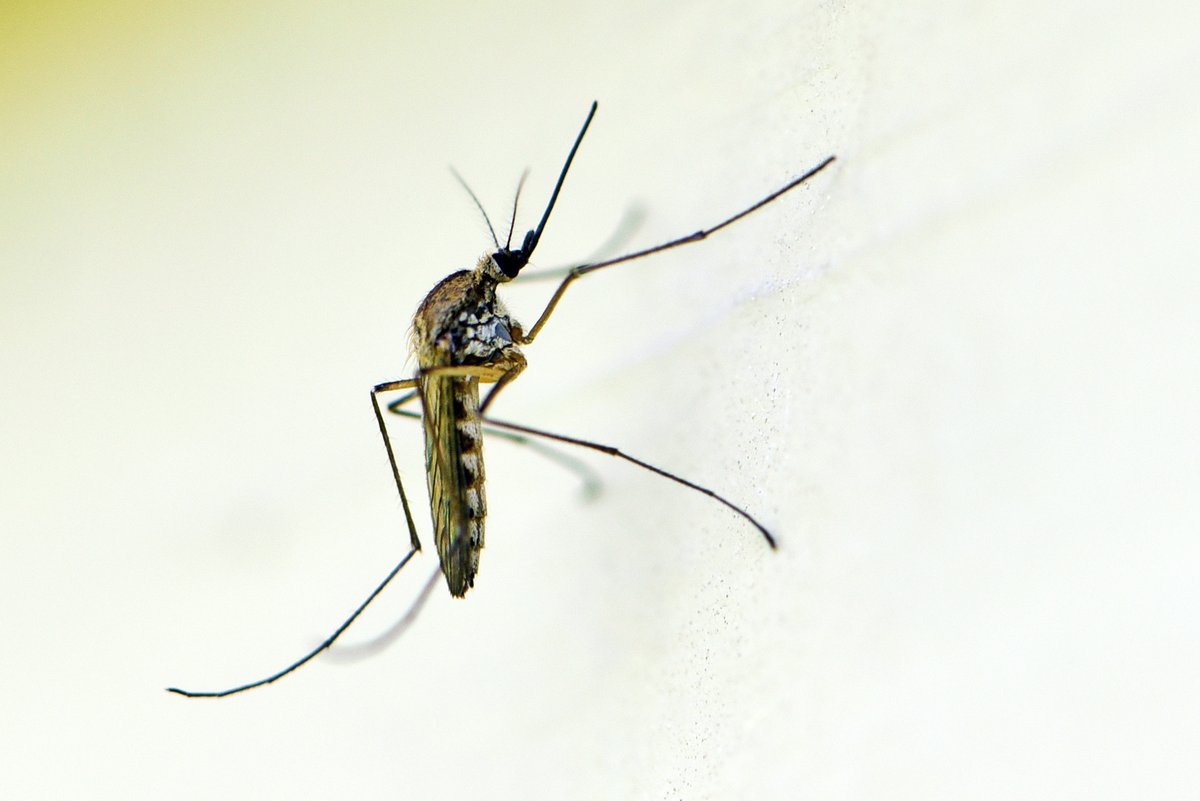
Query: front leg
x,y
514,370
387,444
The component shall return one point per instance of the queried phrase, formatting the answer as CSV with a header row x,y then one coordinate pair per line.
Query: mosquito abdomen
x,y
455,476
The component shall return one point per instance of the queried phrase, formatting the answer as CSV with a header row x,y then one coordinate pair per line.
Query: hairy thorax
x,y
462,322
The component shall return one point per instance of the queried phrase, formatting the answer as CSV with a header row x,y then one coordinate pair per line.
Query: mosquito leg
x,y
311,654
486,373
350,653
627,226
394,406
416,546
591,483
611,451
584,269
504,381
588,476
387,444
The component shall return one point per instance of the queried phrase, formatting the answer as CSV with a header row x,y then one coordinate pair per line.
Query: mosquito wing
x,y
454,472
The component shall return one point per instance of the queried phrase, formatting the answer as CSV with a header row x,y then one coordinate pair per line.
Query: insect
x,y
463,337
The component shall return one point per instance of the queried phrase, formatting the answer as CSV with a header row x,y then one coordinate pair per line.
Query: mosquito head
x,y
509,261
506,262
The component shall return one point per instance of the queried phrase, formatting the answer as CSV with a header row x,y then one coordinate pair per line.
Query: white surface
x,y
955,375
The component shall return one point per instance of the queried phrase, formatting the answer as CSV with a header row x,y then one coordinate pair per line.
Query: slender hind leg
x,y
416,546
311,654
587,476
618,453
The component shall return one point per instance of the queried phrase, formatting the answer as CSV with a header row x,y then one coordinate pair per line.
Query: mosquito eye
x,y
510,262
504,260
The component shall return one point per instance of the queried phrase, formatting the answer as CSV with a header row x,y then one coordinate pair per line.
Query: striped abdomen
x,y
454,472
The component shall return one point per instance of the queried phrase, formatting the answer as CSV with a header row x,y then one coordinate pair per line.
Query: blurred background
x,y
952,375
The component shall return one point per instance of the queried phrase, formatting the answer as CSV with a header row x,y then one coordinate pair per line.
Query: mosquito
x,y
463,337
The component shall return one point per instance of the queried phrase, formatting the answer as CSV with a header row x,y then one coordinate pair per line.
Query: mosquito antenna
x,y
511,261
531,239
513,222
479,206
